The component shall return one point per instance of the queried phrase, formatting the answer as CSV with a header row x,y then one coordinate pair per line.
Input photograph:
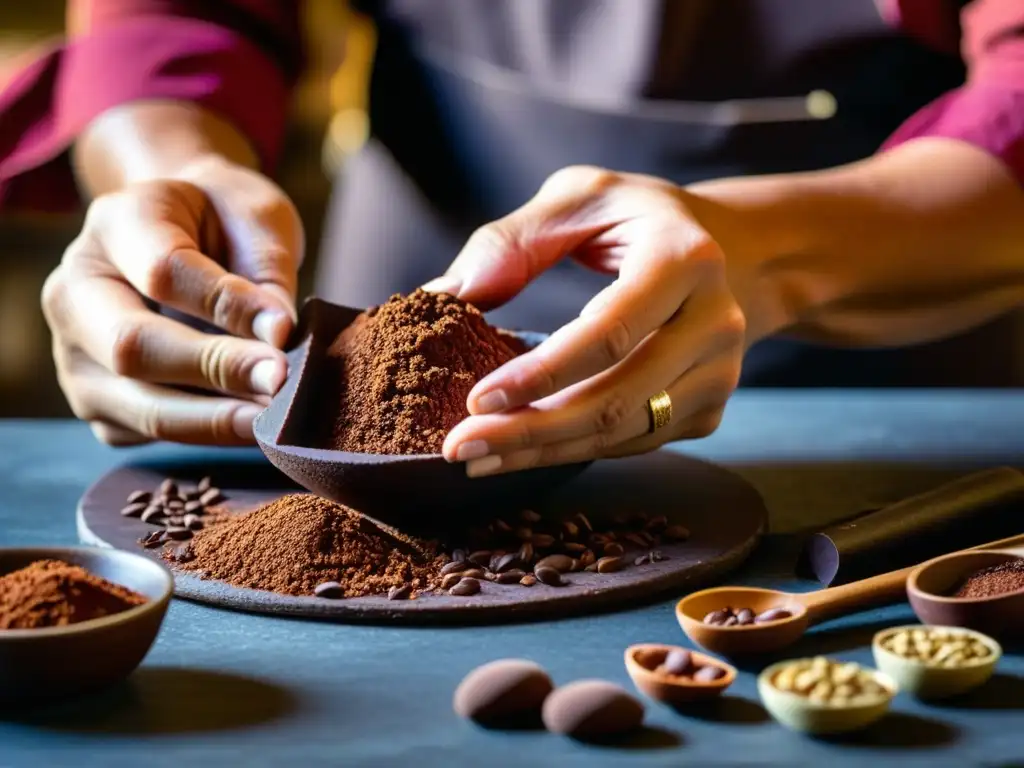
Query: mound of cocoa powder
x,y
406,368
299,541
52,593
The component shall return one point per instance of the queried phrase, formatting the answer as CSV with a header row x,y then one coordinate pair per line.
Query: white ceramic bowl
x,y
799,713
932,682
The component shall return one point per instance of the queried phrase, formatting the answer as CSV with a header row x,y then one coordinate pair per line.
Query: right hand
x,y
220,243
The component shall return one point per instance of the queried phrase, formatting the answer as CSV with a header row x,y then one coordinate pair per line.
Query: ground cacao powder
x,y
51,593
299,541
995,580
406,368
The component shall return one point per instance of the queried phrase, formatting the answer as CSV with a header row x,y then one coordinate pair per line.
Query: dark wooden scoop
x,y
395,489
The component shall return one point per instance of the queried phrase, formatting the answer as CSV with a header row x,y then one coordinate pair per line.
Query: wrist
x,y
756,237
145,141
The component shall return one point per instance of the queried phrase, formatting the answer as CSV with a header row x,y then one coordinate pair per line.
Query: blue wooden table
x,y
223,688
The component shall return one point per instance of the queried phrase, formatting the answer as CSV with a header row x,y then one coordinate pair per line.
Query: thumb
x,y
501,258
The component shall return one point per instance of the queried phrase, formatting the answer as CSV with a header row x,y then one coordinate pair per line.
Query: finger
x,y
160,413
704,329
111,324
157,252
698,400
501,258
264,237
604,336
698,425
116,436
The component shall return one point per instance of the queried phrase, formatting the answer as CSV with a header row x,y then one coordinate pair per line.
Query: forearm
x,y
907,246
148,140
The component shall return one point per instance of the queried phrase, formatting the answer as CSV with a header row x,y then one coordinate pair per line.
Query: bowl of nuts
x,y
822,697
935,662
676,675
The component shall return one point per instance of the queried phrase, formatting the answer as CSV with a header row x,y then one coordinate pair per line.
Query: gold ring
x,y
659,408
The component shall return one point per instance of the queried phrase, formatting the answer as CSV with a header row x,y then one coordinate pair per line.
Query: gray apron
x,y
469,120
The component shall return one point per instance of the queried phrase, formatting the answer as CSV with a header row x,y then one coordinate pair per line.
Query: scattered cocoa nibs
x,y
402,592
139,497
501,552
610,564
549,576
170,505
465,588
455,566
152,539
134,510
513,576
329,590
450,580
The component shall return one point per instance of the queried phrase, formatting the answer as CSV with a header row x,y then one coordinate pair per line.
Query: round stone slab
x,y
724,514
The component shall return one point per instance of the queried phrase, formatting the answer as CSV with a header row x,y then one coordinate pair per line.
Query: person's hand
x,y
668,322
219,243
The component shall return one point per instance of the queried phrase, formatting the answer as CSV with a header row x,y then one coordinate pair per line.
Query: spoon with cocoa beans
x,y
739,621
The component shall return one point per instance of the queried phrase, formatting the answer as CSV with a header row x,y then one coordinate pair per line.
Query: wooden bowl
x,y
644,658
799,713
395,489
929,587
926,681
54,663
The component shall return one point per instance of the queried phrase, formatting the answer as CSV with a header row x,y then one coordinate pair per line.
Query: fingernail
x,y
486,466
444,284
491,402
265,377
271,326
473,449
242,421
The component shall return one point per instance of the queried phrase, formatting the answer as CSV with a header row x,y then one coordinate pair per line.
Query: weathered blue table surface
x,y
223,688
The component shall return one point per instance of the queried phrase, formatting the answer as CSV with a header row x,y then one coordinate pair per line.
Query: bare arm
x,y
143,141
908,246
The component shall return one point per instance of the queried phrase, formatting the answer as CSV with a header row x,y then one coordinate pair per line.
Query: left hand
x,y
668,322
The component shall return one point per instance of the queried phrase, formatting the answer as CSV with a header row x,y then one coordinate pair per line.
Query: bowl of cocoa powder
x,y
979,590
75,619
370,397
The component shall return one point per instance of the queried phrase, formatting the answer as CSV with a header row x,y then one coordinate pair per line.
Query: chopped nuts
x,y
937,647
829,682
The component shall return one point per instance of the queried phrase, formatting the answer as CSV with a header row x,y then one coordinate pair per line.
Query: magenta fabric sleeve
x,y
130,56
988,110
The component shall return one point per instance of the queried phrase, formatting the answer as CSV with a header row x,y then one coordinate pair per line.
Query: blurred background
x,y
328,121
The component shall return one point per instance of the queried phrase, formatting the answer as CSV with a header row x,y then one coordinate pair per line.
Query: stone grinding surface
x,y
724,514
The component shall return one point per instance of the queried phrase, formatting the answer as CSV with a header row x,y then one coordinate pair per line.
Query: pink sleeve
x,y
988,111
237,58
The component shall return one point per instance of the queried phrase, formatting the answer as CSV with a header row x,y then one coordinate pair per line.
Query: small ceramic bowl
x,y
53,663
643,659
930,682
799,713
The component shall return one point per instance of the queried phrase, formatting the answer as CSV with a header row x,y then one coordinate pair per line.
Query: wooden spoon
x,y
806,609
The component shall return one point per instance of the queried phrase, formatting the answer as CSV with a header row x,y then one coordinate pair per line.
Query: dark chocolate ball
x,y
592,709
503,689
